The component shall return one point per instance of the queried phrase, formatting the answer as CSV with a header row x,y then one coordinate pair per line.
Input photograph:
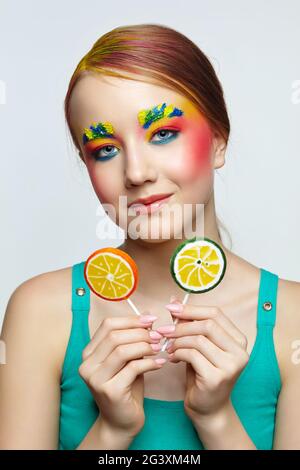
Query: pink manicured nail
x,y
174,307
147,318
155,335
166,329
160,360
170,344
156,347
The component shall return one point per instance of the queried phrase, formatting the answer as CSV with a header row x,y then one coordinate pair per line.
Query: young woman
x,y
81,372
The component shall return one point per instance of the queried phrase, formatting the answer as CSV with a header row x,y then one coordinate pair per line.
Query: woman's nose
x,y
138,169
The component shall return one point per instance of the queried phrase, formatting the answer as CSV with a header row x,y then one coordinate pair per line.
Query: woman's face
x,y
138,158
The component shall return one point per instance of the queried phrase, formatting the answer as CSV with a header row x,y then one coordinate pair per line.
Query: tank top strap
x,y
267,298
79,334
80,289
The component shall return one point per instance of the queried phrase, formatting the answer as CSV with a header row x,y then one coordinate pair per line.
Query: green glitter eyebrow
x,y
147,116
97,130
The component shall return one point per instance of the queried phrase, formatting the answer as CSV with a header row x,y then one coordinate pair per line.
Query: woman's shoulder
x,y
288,298
39,310
286,331
51,288
288,308
287,322
288,291
287,328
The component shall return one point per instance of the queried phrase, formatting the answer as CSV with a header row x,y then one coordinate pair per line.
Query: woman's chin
x,y
156,236
152,241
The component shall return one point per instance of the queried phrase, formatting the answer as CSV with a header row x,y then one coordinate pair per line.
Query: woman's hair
x,y
159,55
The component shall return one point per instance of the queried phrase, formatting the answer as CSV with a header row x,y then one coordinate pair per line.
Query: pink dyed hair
x,y
161,55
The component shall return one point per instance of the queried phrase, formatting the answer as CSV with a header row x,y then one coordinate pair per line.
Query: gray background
x,y
49,213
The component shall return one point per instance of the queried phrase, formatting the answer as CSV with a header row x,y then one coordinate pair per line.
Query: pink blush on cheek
x,y
196,160
103,188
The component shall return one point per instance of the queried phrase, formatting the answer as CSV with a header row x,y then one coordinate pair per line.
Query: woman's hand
x,y
113,366
215,351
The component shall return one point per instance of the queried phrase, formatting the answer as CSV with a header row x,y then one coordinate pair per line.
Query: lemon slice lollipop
x,y
198,265
111,274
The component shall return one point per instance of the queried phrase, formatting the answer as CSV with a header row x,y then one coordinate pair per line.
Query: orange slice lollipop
x,y
111,274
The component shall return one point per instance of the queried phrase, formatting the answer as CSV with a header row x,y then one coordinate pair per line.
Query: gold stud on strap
x,y
267,306
80,291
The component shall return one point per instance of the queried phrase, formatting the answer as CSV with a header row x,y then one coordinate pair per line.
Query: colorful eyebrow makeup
x,y
147,116
97,130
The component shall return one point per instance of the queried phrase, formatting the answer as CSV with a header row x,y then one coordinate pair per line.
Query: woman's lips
x,y
150,208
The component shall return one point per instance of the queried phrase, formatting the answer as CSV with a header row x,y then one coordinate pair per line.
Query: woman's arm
x,y
225,429
102,436
287,434
29,381
35,331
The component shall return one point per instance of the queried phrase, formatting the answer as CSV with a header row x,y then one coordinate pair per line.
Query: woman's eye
x,y
105,152
164,136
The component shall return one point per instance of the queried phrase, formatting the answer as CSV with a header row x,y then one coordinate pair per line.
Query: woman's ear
x,y
219,151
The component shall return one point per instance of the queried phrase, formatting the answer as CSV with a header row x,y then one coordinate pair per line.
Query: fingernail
x,y
166,329
155,335
156,347
160,360
175,307
170,344
147,318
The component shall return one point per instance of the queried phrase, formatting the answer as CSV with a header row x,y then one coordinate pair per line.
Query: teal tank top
x,y
254,395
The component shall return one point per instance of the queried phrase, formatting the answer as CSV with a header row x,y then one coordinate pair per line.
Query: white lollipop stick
x,y
133,306
166,342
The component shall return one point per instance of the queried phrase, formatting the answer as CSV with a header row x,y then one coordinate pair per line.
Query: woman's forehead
x,y
110,95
